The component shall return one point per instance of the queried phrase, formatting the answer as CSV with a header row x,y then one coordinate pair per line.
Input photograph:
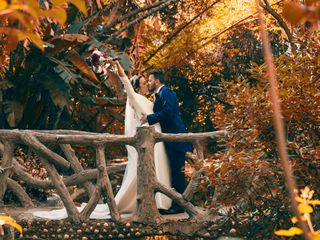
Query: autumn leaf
x,y
310,2
57,2
293,12
3,4
316,235
304,208
78,62
57,14
10,221
81,5
67,40
36,39
290,232
299,199
314,202
295,220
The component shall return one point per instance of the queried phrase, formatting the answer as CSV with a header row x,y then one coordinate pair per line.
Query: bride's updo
x,y
135,81
139,84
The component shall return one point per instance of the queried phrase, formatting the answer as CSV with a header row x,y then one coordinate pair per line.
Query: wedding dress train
x,y
126,197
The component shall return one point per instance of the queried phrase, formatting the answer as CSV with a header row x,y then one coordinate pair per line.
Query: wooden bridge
x,y
42,142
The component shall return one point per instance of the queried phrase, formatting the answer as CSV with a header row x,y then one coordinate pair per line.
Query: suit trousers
x,y
177,161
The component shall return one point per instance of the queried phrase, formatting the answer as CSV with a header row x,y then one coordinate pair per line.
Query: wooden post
x,y
106,186
192,186
20,193
93,201
147,211
199,149
62,190
31,141
76,166
6,163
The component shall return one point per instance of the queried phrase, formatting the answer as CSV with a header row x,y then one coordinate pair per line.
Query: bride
x,y
137,105
125,199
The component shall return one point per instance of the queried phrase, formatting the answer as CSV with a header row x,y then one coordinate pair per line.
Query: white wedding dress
x,y
126,197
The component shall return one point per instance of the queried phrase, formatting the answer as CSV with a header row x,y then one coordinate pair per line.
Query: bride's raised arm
x,y
125,80
131,94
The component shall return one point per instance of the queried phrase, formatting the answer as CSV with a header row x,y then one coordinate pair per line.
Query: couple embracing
x,y
164,114
169,157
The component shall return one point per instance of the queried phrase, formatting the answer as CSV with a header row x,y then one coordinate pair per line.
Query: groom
x,y
166,112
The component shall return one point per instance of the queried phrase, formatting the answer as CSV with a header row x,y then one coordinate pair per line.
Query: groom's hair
x,y
158,74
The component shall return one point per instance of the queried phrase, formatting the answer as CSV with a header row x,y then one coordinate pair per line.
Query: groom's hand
x,y
143,118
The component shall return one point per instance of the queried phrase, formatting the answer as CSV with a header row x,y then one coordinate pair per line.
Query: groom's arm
x,y
167,109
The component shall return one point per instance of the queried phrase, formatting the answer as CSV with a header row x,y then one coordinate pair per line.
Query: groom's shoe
x,y
172,210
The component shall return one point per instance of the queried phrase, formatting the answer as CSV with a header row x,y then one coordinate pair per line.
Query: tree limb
x,y
135,12
138,19
178,198
266,6
20,193
42,150
176,33
217,34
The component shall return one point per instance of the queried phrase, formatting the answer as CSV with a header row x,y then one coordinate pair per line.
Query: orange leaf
x,y
78,62
24,7
293,12
36,39
14,36
304,208
58,14
299,199
295,220
290,232
3,4
81,5
65,41
315,202
58,2
310,2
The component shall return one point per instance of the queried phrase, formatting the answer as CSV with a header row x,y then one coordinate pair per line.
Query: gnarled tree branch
x,y
266,6
176,33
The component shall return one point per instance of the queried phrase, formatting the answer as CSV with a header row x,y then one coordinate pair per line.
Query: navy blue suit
x,y
166,112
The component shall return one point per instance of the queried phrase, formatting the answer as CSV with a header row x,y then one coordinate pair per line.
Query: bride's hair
x,y
135,81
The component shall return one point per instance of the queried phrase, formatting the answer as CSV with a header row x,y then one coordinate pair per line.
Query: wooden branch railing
x,y
143,141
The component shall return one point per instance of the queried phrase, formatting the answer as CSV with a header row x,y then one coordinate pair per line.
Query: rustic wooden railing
x,y
143,141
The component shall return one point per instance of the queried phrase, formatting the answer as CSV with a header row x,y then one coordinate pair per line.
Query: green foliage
x,y
37,85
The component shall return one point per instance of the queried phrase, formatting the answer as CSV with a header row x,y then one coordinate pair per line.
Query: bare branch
x,y
42,150
217,34
281,22
62,190
135,12
278,122
176,33
20,193
76,166
178,198
138,19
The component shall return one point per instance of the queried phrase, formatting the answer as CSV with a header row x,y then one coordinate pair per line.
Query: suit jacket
x,y
166,112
